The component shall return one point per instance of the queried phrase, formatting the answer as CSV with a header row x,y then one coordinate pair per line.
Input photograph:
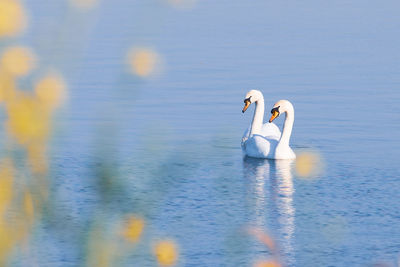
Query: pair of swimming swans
x,y
265,140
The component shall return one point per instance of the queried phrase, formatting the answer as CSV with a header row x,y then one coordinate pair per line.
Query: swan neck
x,y
258,117
287,128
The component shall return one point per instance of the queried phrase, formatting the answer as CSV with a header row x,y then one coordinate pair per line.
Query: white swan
x,y
282,149
256,141
265,140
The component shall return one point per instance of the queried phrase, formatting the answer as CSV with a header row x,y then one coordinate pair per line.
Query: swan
x,y
265,140
282,148
257,139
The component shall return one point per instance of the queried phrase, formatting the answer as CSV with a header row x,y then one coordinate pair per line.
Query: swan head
x,y
282,106
251,97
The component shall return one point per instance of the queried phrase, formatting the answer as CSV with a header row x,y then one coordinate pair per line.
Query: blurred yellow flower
x,y
166,253
142,62
13,18
51,90
308,164
27,121
17,60
133,229
267,263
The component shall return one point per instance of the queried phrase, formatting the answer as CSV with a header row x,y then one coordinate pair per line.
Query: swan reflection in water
x,y
270,200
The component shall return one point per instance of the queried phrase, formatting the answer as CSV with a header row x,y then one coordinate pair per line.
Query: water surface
x,y
174,139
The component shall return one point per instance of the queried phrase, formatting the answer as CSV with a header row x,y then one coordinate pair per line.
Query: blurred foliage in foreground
x,y
24,167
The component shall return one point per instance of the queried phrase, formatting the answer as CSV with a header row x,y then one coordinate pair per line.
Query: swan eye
x,y
275,114
275,110
247,103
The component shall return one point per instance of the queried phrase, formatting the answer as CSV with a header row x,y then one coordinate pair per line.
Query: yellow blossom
x,y
18,60
143,61
166,253
13,18
267,263
133,229
308,164
50,90
27,121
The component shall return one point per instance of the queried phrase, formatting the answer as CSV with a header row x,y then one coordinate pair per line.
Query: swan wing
x,y
261,145
245,137
271,131
258,146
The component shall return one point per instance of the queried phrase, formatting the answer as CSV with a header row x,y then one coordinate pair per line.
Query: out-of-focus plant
x,y
270,244
24,171
309,164
13,18
28,123
133,228
24,167
166,252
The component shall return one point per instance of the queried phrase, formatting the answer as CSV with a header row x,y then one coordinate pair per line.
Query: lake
x,y
169,143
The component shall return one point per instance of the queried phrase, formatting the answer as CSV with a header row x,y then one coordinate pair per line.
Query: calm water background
x,y
175,138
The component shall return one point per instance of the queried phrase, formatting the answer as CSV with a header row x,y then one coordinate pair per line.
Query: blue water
x,y
172,141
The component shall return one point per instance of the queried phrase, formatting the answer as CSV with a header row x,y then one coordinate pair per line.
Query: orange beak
x,y
274,115
246,105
